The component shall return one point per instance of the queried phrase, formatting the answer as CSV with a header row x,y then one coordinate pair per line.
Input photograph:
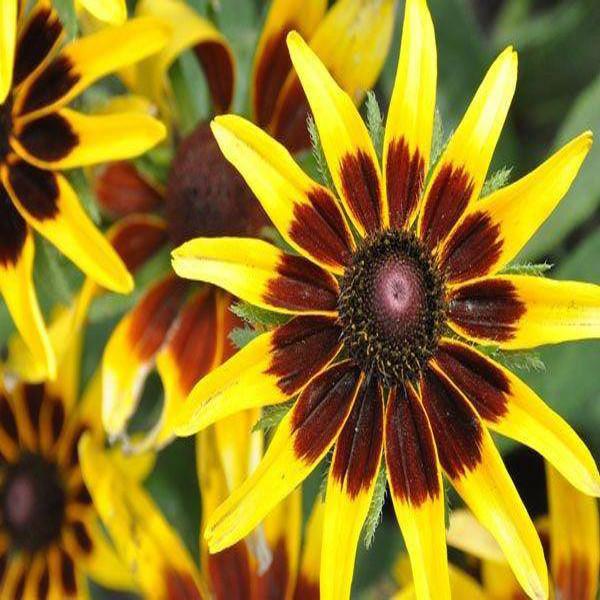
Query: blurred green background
x,y
558,96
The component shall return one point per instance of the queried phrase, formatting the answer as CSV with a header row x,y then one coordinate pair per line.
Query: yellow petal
x,y
518,311
493,231
67,139
307,585
296,448
350,487
8,37
271,61
269,370
157,559
259,273
189,31
409,125
113,12
459,175
87,59
574,539
346,142
467,534
305,213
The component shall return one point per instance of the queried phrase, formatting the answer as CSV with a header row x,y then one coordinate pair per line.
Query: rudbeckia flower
x,y
50,535
571,536
39,137
181,329
266,564
397,277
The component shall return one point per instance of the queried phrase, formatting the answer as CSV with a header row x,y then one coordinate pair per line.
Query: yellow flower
x,y
39,137
395,280
113,12
571,536
264,565
204,194
50,536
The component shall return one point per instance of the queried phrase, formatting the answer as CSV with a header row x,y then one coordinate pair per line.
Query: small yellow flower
x,y
397,276
39,137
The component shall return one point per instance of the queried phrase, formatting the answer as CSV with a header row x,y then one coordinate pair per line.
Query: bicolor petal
x,y
66,139
87,59
461,171
49,204
493,231
511,408
305,213
272,62
132,348
350,486
259,273
346,142
470,460
269,370
409,126
302,439
519,311
574,539
416,488
144,540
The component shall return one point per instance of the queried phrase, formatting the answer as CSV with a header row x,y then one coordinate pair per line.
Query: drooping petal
x,y
66,139
49,204
345,139
306,213
38,38
16,284
259,273
511,408
87,59
108,11
468,535
144,540
269,370
8,37
272,62
132,348
416,487
460,173
189,31
193,349
352,42
470,460
574,539
518,311
303,437
492,231
307,585
409,126
350,486
121,190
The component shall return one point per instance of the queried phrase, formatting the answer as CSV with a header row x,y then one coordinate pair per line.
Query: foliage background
x,y
558,96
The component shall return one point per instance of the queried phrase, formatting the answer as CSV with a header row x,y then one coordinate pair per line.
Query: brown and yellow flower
x,y
395,279
40,136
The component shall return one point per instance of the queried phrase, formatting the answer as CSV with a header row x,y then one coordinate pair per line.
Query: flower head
x,y
397,277
39,136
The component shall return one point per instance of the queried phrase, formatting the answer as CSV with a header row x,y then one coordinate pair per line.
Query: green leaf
x,y
496,181
377,501
520,360
242,336
51,280
271,416
535,269
374,123
85,194
583,199
272,235
255,315
318,154
67,15
437,140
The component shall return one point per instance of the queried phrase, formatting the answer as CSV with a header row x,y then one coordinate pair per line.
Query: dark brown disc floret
x,y
392,306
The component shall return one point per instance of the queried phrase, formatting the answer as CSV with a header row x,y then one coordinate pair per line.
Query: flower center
x,y
392,306
6,124
32,501
206,196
